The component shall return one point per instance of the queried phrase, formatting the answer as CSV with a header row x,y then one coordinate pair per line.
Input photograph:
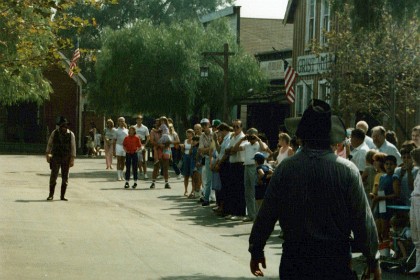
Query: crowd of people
x,y
232,168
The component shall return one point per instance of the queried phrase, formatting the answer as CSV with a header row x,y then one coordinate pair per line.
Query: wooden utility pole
x,y
225,65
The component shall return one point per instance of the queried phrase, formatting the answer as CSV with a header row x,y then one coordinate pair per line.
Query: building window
x,y
324,91
304,94
310,20
325,21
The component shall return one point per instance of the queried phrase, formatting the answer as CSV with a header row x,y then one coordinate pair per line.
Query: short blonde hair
x,y
284,136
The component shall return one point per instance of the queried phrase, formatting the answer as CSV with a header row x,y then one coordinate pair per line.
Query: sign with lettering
x,y
314,64
273,69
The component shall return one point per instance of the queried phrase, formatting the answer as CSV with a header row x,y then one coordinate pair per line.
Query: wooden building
x,y
310,18
25,127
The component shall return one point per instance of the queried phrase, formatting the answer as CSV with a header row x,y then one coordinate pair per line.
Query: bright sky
x,y
273,9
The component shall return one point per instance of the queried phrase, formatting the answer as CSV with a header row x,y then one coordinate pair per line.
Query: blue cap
x,y
259,155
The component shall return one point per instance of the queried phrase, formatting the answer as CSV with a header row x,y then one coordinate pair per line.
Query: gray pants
x,y
250,178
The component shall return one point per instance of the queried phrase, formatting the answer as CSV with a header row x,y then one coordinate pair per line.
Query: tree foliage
x,y
155,69
375,70
29,43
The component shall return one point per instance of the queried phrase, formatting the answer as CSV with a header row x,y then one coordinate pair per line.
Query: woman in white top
x,y
186,169
120,133
285,150
415,211
109,138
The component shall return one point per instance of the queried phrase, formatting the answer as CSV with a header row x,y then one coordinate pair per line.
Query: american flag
x,y
73,63
289,79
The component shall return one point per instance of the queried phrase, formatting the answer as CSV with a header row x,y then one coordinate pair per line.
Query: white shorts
x,y
119,150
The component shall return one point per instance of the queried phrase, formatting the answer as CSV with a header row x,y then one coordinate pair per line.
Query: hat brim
x,y
337,133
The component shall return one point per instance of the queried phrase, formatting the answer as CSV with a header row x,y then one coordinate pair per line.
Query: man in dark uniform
x,y
60,153
319,201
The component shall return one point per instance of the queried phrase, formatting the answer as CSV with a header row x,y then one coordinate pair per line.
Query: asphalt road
x,y
107,232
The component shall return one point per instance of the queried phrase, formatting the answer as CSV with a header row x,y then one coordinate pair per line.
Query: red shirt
x,y
131,144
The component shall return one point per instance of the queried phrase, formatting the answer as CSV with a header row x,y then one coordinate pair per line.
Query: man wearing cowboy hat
x,y
60,153
319,200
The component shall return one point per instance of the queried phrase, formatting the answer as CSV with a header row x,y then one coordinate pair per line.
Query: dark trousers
x,y
131,161
55,165
316,261
176,156
224,179
235,193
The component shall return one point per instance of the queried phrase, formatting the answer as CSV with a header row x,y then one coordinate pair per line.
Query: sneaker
x,y
228,217
247,219
145,176
50,197
205,203
152,186
167,186
126,185
179,176
235,218
160,177
134,186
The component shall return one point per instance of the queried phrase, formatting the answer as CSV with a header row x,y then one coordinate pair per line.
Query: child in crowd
x,y
131,144
388,192
401,236
368,175
165,139
264,173
378,164
195,166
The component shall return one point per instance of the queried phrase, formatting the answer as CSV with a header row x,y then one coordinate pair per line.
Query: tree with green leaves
x,y
155,69
376,69
29,44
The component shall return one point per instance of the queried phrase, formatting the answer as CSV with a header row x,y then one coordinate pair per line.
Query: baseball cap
x,y
259,155
216,122
204,120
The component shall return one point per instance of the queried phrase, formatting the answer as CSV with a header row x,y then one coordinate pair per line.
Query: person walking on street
x,y
319,200
60,153
109,139
121,133
132,146
143,132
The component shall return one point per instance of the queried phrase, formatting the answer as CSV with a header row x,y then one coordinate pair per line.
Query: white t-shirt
x,y
390,149
239,156
121,133
359,156
110,134
249,151
142,132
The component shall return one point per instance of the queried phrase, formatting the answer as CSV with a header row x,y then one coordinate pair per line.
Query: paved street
x,y
107,232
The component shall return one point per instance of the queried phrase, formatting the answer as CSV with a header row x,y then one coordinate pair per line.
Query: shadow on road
x,y
191,209
204,277
33,200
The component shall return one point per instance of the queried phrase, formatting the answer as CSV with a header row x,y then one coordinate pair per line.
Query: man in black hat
x,y
319,201
60,153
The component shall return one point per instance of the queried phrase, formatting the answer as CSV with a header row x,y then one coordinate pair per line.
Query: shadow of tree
x,y
204,277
